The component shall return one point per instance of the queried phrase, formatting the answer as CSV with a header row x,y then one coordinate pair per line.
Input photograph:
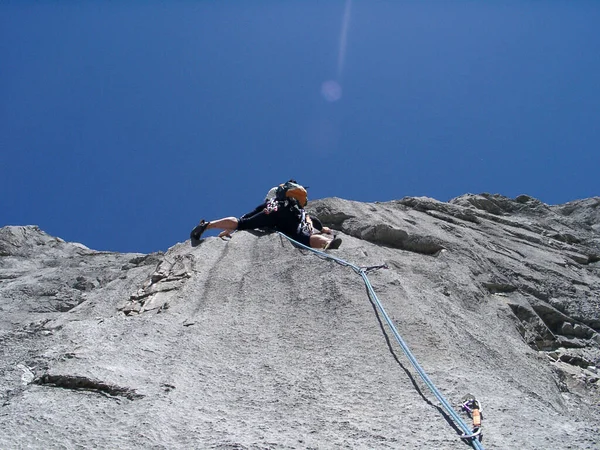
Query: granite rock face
x,y
252,343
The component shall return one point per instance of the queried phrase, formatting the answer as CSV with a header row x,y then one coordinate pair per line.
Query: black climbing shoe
x,y
334,244
198,230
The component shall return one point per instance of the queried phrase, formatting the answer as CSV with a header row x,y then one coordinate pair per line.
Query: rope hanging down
x,y
363,273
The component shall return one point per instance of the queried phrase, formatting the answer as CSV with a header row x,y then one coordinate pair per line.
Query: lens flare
x,y
331,91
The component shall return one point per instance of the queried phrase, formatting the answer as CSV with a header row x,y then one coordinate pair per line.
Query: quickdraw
x,y
473,408
368,268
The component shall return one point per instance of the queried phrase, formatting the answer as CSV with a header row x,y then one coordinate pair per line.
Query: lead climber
x,y
283,210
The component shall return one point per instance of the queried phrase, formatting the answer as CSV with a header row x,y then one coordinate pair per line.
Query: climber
x,y
283,212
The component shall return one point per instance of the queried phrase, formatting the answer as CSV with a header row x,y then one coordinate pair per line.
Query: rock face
x,y
253,343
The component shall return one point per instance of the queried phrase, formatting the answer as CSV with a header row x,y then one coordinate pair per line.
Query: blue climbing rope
x,y
363,273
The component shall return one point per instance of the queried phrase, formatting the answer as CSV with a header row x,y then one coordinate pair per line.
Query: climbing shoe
x,y
334,244
198,230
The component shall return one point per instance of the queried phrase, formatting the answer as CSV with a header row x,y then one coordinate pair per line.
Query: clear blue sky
x,y
124,123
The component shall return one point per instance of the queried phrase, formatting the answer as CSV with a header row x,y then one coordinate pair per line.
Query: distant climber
x,y
282,210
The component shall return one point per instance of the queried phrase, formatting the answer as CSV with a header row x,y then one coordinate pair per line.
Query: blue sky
x,y
124,123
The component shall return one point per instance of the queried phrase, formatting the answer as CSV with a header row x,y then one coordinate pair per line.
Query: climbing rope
x,y
362,271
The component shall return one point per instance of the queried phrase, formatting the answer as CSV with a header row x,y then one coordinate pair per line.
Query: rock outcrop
x,y
253,343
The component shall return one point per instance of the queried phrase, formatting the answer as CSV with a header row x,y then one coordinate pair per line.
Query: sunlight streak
x,y
332,90
344,39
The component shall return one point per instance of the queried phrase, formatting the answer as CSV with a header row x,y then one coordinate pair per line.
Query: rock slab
x,y
253,343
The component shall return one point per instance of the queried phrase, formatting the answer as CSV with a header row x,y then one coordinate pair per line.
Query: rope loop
x,y
362,271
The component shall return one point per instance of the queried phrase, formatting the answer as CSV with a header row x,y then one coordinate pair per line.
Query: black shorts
x,y
257,219
284,220
300,237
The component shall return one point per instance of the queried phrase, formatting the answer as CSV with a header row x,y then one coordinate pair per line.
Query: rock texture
x,y
253,343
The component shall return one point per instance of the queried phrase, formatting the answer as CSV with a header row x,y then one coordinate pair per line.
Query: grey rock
x,y
253,343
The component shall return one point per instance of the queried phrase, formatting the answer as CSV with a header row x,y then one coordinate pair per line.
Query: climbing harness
x,y
271,206
362,271
304,227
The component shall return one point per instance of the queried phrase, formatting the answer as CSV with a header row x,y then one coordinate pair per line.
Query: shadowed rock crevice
x,y
169,275
382,234
499,287
575,360
567,238
593,258
533,329
79,383
545,328
386,235
151,259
